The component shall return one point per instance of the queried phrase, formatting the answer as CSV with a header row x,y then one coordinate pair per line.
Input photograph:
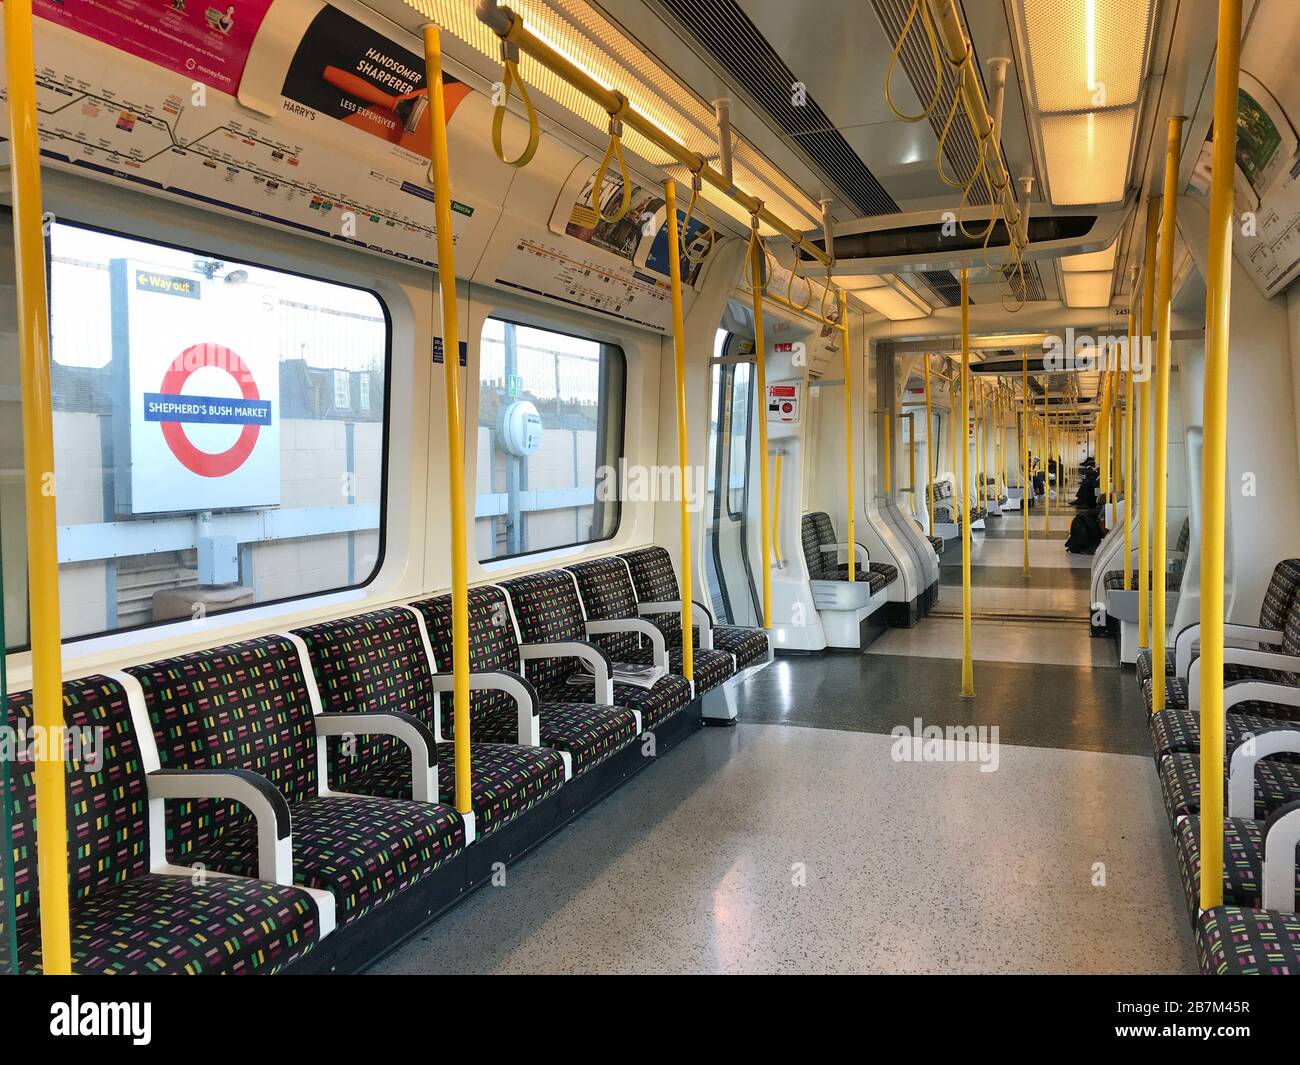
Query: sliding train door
x,y
732,590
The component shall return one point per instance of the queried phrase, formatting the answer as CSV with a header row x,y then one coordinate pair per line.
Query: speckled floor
x,y
770,849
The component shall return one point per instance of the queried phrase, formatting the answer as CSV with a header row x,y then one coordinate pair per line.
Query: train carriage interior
x,y
482,489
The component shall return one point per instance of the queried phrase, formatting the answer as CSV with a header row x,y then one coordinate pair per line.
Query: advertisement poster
x,y
345,70
196,357
206,40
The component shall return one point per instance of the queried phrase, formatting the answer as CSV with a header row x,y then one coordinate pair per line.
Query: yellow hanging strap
x,y
613,151
510,79
683,459
38,487
697,184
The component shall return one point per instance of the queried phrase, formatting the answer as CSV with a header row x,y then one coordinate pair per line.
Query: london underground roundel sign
x,y
172,408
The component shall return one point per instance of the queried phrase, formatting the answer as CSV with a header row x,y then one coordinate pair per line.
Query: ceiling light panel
x,y
1086,54
1087,290
585,37
1087,155
896,302
1091,261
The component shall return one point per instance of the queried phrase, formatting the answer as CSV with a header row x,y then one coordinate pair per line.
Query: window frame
x,y
385,421
519,323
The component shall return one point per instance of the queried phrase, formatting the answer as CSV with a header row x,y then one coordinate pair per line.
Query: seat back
x,y
492,646
241,706
653,575
547,608
812,548
608,594
1281,592
107,798
369,663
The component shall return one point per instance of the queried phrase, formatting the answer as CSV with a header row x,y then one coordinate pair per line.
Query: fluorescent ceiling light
x,y
896,302
1087,290
860,282
1086,54
578,31
1091,261
1088,155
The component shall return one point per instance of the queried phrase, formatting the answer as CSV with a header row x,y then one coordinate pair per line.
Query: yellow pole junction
x,y
929,444
1214,459
1026,478
967,667
1144,432
756,266
683,460
455,432
1130,474
1164,354
847,360
38,488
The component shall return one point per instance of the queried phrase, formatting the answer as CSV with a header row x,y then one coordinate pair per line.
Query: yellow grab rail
x,y
1144,432
38,488
1026,479
1215,446
1164,351
967,667
455,434
683,458
760,373
929,443
509,26
847,360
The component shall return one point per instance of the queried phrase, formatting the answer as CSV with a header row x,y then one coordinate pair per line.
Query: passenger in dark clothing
x,y
1086,532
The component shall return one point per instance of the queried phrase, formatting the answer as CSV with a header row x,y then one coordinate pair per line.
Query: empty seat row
x,y
821,550
249,800
1256,930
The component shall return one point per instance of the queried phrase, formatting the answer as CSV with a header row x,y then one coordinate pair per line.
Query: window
x,y
342,389
202,464
550,440
364,381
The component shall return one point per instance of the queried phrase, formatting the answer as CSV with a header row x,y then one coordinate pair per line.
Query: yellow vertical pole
x,y
38,488
1026,478
1103,438
958,504
967,666
1214,459
756,265
1130,476
847,359
1047,458
683,459
455,430
1144,432
929,444
1160,473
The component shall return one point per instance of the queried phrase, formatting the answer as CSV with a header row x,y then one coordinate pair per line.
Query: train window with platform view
x,y
550,440
213,449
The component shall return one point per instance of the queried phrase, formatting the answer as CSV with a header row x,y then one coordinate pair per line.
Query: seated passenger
x,y
1086,532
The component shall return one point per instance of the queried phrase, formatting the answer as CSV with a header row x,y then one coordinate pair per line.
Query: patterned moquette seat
x,y
246,706
605,586
588,732
125,919
547,609
1276,784
1176,694
817,534
1113,580
1243,862
655,581
378,662
1180,730
1278,597
1234,941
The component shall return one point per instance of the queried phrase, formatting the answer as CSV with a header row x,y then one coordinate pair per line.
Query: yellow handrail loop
x,y
510,77
697,184
613,150
928,25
